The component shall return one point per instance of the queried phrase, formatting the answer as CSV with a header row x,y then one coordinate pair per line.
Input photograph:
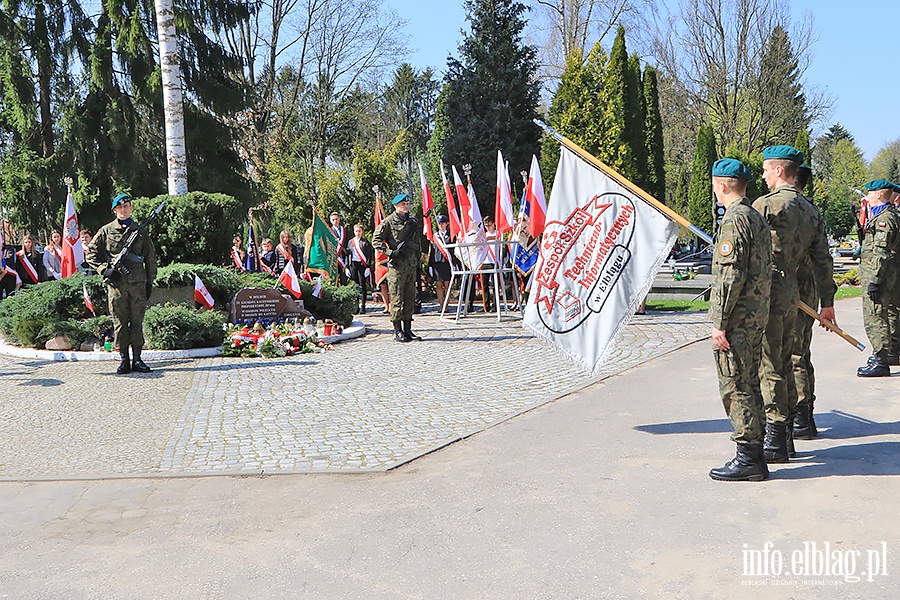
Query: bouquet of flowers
x,y
285,339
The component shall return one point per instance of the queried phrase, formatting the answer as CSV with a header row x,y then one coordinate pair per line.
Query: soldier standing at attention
x,y
815,280
781,209
739,309
128,294
893,356
397,238
878,274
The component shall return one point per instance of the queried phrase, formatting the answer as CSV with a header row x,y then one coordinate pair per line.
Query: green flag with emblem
x,y
323,256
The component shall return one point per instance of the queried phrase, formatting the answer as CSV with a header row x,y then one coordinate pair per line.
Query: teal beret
x,y
399,198
879,184
729,167
783,153
805,167
897,188
120,199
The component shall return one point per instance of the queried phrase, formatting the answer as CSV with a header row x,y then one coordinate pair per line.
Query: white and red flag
x,y
317,290
503,209
201,294
427,206
381,259
87,299
601,249
465,204
72,251
534,195
475,256
288,279
455,225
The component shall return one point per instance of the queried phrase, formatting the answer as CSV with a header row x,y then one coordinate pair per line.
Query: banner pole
x,y
596,162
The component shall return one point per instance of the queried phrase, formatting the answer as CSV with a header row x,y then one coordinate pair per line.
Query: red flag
x,y
289,280
455,226
465,206
503,209
72,252
201,294
427,206
87,299
534,195
381,258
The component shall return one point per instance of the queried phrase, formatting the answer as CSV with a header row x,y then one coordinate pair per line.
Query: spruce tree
x,y
802,144
615,150
635,116
700,194
493,96
894,171
655,179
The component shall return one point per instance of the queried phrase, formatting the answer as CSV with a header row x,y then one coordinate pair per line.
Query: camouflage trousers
x,y
801,358
738,371
876,319
776,374
402,287
894,320
127,305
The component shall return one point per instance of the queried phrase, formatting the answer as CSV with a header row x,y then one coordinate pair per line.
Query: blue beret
x,y
120,199
783,153
729,167
879,184
400,198
443,219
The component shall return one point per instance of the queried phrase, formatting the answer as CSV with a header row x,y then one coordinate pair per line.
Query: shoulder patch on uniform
x,y
882,223
880,235
726,248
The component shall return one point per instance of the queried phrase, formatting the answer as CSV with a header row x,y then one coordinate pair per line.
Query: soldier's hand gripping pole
x,y
671,214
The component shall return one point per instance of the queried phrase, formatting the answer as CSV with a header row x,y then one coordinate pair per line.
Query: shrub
x,y
221,283
173,327
851,277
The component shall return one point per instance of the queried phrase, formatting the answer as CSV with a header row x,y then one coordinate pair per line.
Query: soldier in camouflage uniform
x,y
397,237
878,274
739,310
893,356
128,294
815,281
781,209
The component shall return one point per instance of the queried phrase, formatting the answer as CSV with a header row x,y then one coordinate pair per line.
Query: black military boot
x,y
399,336
789,439
812,416
775,445
803,427
875,367
893,359
407,330
747,465
125,365
137,364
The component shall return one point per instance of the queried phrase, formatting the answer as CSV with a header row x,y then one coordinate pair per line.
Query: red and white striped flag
x,y
201,294
317,291
455,226
427,206
503,209
534,195
465,205
87,299
72,252
288,279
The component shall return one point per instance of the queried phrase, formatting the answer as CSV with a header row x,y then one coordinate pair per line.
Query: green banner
x,y
322,246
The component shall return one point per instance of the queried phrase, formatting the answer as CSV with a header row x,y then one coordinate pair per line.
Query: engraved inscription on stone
x,y
251,304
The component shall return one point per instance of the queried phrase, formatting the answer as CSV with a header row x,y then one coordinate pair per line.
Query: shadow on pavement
x,y
160,368
707,426
42,382
876,458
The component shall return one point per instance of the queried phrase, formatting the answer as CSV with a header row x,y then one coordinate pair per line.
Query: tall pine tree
x,y
700,193
655,179
493,96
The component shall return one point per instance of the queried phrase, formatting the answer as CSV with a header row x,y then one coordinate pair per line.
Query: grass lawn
x,y
687,305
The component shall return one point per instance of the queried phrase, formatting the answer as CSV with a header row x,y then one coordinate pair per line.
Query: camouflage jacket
x,y
110,240
815,261
741,270
782,211
393,230
880,246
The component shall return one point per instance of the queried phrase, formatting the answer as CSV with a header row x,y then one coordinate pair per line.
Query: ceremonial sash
x,y
341,234
236,257
491,250
29,268
288,256
359,252
439,244
58,256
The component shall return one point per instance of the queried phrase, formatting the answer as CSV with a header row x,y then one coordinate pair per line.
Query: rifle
x,y
118,263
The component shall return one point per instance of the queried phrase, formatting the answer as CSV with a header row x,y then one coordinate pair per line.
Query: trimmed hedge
x,y
174,327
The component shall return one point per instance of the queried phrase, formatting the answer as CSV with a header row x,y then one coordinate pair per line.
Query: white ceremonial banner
x,y
600,251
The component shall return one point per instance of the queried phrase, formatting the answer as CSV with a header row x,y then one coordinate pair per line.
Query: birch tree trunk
x,y
176,155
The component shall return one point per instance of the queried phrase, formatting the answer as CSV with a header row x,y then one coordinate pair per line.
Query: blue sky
x,y
850,58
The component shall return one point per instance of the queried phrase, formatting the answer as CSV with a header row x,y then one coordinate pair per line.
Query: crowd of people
x,y
768,257
28,264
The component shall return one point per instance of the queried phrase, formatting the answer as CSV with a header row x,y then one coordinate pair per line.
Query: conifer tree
x,y
615,150
493,96
802,144
700,202
635,116
655,179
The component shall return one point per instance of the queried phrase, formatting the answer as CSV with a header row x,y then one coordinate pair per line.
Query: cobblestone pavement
x,y
369,405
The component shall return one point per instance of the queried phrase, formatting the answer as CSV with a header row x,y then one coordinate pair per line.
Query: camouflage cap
x,y
783,153
729,167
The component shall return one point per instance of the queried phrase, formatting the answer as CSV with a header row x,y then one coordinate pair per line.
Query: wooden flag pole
x,y
596,162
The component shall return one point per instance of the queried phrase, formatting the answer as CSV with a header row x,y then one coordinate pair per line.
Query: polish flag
x,y
317,291
289,280
455,226
87,299
72,252
465,205
503,209
427,206
534,195
201,294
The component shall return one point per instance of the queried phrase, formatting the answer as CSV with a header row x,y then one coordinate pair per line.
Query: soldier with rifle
x,y
398,238
123,253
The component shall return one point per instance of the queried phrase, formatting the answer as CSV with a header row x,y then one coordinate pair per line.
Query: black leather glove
x,y
149,289
110,274
874,292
